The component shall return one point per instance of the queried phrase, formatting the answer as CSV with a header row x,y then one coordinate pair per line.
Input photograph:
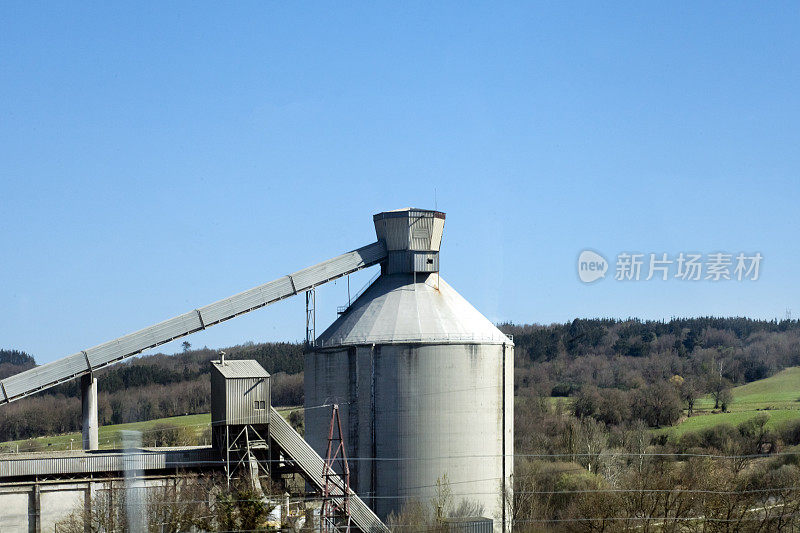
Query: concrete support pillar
x,y
89,411
35,523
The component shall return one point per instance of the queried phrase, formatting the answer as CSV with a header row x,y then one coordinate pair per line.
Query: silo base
x,y
420,421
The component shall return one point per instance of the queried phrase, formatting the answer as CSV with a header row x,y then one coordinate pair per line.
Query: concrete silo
x,y
423,380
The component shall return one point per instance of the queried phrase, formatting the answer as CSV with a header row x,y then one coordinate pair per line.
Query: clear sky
x,y
158,157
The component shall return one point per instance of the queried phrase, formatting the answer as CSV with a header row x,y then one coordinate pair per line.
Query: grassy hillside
x,y
110,436
781,391
778,396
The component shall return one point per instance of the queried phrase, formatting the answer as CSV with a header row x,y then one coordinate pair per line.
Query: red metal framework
x,y
335,514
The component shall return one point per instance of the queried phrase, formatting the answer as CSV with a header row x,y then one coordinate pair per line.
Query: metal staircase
x,y
313,467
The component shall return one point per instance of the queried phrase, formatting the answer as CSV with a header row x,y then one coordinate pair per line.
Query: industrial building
x,y
423,381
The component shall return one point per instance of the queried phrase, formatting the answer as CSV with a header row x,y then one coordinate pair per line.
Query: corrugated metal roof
x,y
406,210
80,462
395,309
240,368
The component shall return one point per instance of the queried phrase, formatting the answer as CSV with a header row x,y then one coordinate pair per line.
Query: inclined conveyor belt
x,y
84,362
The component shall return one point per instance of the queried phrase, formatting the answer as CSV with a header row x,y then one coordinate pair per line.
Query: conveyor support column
x,y
89,411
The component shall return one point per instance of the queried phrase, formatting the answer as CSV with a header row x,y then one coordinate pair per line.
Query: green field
x,y
776,396
110,437
698,422
781,391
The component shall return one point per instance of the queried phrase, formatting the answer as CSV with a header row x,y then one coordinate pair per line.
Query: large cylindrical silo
x,y
424,382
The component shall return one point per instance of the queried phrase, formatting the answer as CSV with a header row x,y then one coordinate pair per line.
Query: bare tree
x,y
592,440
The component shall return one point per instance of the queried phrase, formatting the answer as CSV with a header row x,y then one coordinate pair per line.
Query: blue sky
x,y
157,158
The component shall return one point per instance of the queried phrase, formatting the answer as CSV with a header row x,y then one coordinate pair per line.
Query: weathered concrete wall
x,y
412,414
60,500
14,511
37,507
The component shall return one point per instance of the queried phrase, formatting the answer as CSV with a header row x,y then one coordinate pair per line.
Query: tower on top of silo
x,y
412,238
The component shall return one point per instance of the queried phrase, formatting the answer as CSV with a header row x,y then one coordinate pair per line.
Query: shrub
x,y
790,432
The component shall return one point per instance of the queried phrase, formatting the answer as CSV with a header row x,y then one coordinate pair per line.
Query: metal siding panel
x,y
395,232
372,254
421,232
217,397
309,277
242,393
231,405
44,375
265,394
398,262
236,412
235,386
476,525
135,342
436,235
421,262
105,462
338,266
247,300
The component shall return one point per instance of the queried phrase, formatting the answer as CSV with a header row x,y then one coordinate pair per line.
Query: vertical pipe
x,y
87,503
504,503
373,489
89,411
35,515
353,410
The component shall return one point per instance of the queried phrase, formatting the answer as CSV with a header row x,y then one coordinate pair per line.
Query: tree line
x,y
615,368
145,388
590,397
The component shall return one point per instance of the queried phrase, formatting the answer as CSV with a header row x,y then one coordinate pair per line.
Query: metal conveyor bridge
x,y
87,361
295,448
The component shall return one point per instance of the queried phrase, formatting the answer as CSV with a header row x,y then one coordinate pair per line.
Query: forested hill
x,y
13,362
162,369
629,370
635,357
144,388
626,354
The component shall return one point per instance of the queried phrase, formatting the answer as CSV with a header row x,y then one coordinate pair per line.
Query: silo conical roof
x,y
399,309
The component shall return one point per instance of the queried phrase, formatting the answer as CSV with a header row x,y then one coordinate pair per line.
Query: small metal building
x,y
240,393
240,414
